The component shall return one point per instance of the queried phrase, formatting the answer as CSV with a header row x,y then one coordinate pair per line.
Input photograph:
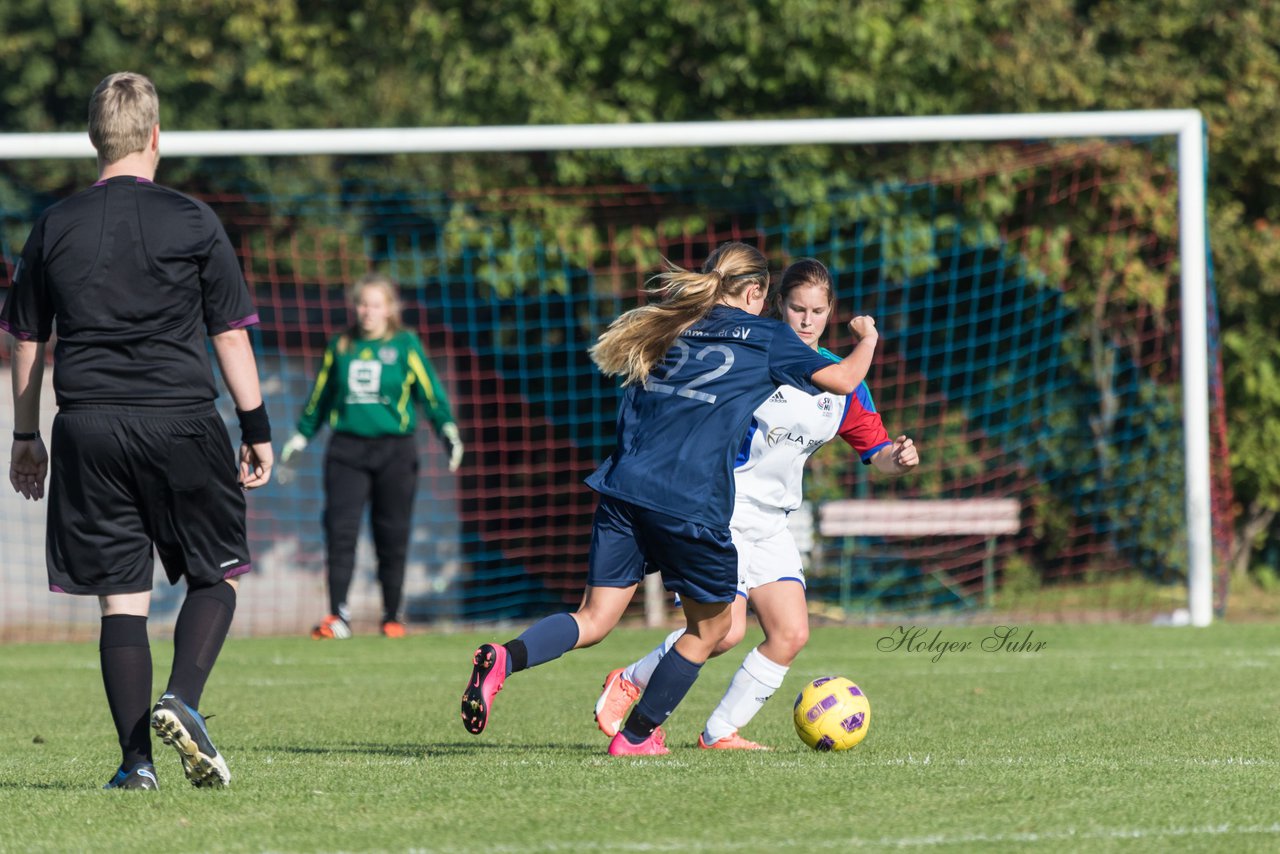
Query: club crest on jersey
x,y
825,406
387,355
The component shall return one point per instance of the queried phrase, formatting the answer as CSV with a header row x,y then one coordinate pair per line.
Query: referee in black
x,y
135,276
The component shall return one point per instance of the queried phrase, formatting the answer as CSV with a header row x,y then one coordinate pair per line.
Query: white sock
x,y
752,686
641,671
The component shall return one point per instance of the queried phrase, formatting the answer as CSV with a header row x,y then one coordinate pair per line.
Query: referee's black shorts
x,y
125,479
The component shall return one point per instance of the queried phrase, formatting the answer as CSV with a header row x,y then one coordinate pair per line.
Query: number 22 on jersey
x,y
690,388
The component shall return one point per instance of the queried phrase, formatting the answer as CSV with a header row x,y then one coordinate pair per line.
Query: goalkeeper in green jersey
x,y
373,377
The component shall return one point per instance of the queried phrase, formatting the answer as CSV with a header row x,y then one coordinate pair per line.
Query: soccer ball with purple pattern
x,y
832,713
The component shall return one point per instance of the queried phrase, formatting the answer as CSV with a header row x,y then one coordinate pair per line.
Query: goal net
x,y
1030,297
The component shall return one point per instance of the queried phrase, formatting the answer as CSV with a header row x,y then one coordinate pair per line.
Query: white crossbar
x,y
906,518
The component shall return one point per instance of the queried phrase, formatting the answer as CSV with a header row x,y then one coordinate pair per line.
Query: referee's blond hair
x,y
122,111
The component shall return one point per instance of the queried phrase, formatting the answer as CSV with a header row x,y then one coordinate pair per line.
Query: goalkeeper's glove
x,y
297,444
454,438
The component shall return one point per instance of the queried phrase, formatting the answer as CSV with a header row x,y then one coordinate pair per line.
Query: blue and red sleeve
x,y
862,426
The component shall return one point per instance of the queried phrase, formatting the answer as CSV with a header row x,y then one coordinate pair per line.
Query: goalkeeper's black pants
x,y
383,474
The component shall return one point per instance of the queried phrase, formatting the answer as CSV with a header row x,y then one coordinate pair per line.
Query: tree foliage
x,y
239,64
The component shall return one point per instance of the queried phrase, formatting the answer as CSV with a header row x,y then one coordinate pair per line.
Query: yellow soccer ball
x,y
832,713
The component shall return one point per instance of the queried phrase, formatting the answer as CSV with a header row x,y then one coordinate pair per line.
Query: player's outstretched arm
x,y
28,459
240,372
845,376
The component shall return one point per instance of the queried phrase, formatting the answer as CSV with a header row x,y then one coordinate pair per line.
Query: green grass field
x,y
1108,738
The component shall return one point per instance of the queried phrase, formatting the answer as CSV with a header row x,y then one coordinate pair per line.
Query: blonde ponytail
x,y
638,339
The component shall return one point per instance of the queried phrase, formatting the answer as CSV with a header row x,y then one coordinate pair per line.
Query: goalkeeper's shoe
x,y
183,727
732,741
140,776
488,672
654,745
616,698
332,627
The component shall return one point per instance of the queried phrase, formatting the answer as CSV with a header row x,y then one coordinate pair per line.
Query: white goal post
x,y
1186,125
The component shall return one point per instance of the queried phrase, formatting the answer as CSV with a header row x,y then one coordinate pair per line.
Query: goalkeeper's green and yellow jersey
x,y
372,387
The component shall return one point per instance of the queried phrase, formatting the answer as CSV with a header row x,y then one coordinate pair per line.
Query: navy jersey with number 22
x,y
679,433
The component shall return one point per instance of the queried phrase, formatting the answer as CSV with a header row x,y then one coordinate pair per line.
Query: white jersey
x,y
768,475
787,428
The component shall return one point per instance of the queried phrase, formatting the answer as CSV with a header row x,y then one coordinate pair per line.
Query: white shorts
x,y
767,550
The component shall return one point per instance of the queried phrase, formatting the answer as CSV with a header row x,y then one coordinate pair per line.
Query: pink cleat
x,y
618,695
732,741
488,672
654,745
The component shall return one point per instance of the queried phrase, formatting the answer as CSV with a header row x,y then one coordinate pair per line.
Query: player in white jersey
x,y
785,431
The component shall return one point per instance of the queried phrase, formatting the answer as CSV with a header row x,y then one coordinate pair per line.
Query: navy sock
x,y
546,640
125,655
203,623
671,680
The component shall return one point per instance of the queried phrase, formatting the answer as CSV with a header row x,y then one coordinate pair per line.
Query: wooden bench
x,y
989,517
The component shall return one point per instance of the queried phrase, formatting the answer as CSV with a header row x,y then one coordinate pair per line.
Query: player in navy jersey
x,y
136,277
696,362
786,430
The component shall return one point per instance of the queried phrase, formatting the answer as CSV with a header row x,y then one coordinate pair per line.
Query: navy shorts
x,y
127,480
627,541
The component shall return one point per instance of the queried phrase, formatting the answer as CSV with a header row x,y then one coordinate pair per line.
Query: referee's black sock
x,y
202,626
125,656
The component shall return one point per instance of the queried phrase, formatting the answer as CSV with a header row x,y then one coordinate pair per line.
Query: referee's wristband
x,y
255,427
26,437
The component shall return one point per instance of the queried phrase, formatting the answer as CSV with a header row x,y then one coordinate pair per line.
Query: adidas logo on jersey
x,y
777,397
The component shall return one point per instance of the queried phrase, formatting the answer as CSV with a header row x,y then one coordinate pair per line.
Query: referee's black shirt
x,y
137,275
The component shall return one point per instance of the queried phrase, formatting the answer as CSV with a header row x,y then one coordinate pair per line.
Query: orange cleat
x,y
393,629
615,700
331,628
732,741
